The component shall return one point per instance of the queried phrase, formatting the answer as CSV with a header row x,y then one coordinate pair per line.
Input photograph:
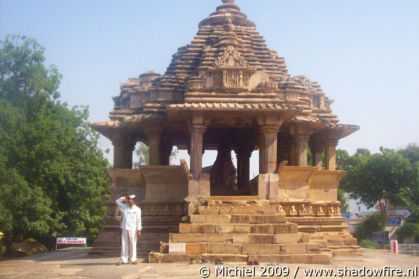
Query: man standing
x,y
131,228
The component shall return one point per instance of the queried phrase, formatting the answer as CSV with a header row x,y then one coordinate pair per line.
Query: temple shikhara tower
x,y
227,91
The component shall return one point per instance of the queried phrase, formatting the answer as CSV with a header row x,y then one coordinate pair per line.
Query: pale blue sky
x,y
365,54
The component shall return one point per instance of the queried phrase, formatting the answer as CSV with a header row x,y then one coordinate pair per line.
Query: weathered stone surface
x,y
209,210
313,246
185,228
211,218
262,228
193,249
294,248
350,241
240,219
286,238
304,258
241,238
275,219
232,228
285,228
223,248
260,239
261,249
203,228
225,258
168,258
256,219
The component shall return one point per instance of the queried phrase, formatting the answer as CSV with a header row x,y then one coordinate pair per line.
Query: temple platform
x,y
239,229
302,225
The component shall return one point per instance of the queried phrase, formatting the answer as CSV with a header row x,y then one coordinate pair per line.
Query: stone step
x,y
261,239
346,251
326,258
258,219
155,257
261,249
286,238
333,228
235,238
268,249
225,258
224,248
209,237
199,248
211,218
294,258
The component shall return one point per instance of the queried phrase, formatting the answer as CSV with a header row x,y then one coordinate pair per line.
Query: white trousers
x,y
128,245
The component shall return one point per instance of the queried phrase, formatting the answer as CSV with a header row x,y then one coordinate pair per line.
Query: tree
x,y
371,223
346,162
409,197
411,152
143,155
51,169
344,205
379,178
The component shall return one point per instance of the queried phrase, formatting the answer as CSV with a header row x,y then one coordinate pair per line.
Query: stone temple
x,y
227,91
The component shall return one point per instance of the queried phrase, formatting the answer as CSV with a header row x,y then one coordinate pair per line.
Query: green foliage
x,y
366,243
344,206
408,230
411,152
378,177
372,223
346,162
51,170
409,197
143,155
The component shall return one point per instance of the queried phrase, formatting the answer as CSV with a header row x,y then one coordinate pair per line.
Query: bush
x,y
408,230
366,243
372,223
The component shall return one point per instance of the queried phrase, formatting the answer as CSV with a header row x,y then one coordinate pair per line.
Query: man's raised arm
x,y
120,202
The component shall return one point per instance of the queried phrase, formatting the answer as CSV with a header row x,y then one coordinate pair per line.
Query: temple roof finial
x,y
228,1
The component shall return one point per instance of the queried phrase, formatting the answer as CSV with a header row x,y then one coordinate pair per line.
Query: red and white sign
x,y
394,247
72,240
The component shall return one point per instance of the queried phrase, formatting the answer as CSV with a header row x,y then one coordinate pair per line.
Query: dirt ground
x,y
74,263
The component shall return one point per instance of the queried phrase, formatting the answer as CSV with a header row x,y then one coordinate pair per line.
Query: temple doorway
x,y
229,168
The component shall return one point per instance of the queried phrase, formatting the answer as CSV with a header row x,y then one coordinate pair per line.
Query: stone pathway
x,y
74,263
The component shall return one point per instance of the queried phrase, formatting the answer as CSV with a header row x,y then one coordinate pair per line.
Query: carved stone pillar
x,y
301,135
153,141
243,149
316,147
123,147
268,137
292,155
196,148
330,154
283,147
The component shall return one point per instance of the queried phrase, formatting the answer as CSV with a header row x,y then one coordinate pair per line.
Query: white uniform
x,y
131,223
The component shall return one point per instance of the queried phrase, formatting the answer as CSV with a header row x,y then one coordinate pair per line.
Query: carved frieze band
x,y
292,209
